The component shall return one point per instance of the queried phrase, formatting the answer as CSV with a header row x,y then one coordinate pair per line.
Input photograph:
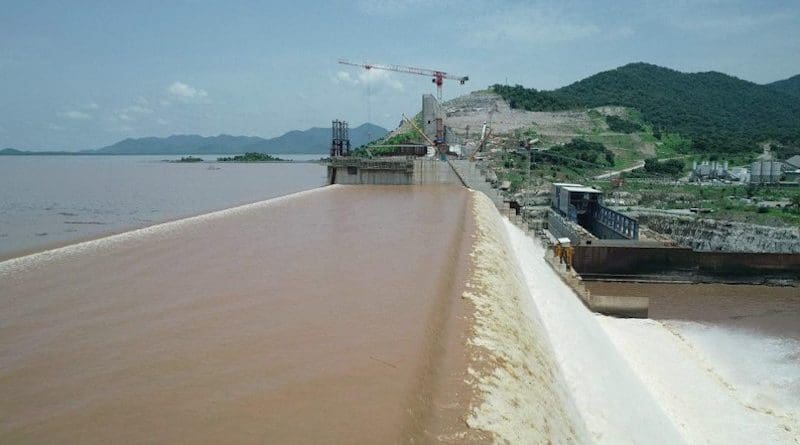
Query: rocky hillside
x,y
549,127
720,113
476,108
713,235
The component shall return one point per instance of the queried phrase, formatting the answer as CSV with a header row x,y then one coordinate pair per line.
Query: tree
x,y
795,202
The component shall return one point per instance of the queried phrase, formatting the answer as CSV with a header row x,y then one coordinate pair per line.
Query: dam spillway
x,y
371,314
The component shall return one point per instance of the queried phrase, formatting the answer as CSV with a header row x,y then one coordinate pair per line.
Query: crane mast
x,y
436,76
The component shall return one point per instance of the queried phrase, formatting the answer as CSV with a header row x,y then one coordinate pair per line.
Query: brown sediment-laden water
x,y
771,310
329,316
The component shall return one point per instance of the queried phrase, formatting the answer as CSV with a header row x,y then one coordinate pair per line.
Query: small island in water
x,y
252,157
189,159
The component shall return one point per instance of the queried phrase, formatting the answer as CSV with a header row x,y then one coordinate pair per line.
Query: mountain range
x,y
720,113
312,141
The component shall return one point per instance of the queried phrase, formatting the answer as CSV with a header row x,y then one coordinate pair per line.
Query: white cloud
x,y
344,77
131,113
56,127
186,93
380,77
75,115
92,105
161,121
373,78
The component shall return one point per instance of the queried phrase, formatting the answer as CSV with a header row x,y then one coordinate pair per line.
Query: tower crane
x,y
436,76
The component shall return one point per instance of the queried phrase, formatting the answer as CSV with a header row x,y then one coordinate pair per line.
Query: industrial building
x,y
766,172
710,170
793,163
577,213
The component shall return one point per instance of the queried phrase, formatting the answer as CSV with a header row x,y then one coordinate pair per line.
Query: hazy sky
x,y
83,74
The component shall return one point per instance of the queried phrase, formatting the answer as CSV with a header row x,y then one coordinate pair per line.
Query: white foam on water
x,y
615,404
523,398
721,385
9,267
764,369
646,381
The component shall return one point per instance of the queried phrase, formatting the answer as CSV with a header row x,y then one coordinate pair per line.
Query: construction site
x,y
476,140
476,276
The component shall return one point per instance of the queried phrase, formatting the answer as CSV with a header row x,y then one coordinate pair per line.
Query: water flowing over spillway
x,y
649,381
524,397
615,404
721,385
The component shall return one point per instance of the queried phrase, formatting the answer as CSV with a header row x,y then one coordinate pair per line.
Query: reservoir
x,y
319,317
48,201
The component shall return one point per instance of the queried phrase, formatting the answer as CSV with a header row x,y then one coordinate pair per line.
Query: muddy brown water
x,y
772,310
332,317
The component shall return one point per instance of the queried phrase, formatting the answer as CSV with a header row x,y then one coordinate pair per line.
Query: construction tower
x,y
340,140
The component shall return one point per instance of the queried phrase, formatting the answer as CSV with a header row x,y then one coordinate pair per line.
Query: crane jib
x,y
436,75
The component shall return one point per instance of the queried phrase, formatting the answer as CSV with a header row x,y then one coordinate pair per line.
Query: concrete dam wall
x,y
391,171
686,264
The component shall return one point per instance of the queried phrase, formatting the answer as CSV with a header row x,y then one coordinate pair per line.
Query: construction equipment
x,y
419,130
441,147
484,136
486,133
437,76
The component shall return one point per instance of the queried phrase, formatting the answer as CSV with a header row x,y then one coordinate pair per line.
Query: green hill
x,y
789,86
720,113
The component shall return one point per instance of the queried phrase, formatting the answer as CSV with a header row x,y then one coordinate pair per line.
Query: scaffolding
x,y
340,139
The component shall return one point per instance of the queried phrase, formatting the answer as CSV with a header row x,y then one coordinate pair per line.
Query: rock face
x,y
474,109
713,235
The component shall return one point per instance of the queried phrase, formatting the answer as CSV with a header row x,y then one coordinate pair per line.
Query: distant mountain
x,y
718,112
314,140
789,86
179,144
15,152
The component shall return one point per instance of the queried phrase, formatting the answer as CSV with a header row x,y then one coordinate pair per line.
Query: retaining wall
x,y
686,264
391,171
